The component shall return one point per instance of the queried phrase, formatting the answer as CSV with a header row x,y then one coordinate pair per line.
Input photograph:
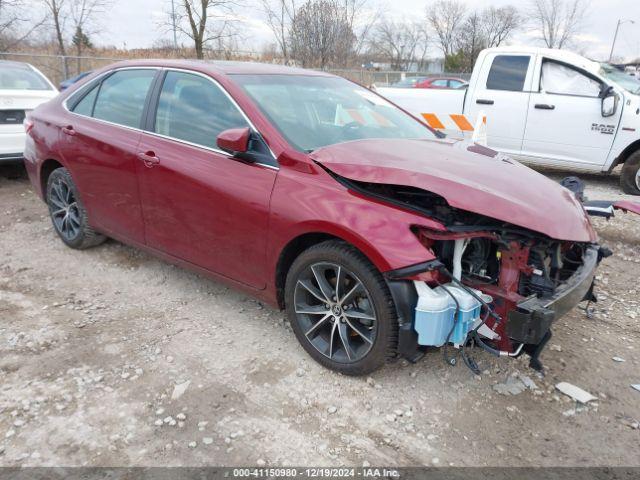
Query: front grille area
x,y
11,117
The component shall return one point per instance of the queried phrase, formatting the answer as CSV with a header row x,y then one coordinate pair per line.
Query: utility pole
x,y
615,36
173,23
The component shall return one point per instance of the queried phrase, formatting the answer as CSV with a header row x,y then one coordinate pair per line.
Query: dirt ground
x,y
93,344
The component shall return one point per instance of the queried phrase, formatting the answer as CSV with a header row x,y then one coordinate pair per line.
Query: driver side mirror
x,y
234,141
609,102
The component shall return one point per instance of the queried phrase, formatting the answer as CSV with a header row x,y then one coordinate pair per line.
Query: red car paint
x,y
497,187
434,82
627,206
233,220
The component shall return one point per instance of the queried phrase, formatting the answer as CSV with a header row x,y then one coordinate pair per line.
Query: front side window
x,y
315,111
563,80
508,72
122,96
192,108
21,76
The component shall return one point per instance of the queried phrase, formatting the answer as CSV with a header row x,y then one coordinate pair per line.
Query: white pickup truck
x,y
545,107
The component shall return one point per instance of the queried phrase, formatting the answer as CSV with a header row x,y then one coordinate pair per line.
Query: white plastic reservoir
x,y
435,310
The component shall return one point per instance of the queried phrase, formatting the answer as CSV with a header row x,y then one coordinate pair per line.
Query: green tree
x,y
455,62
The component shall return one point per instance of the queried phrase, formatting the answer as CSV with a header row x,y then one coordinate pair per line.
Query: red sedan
x,y
378,236
442,82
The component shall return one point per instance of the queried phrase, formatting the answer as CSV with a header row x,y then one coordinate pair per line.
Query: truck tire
x,y
68,215
630,177
340,309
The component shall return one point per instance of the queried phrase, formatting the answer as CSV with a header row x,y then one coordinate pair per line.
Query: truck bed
x,y
425,100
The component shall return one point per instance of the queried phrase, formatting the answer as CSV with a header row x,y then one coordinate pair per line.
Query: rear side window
x,y
85,106
439,83
122,96
194,109
508,72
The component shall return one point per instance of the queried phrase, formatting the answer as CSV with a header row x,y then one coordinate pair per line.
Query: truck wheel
x,y
630,177
67,213
340,309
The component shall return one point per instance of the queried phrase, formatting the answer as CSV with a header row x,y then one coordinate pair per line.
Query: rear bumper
x,y
532,318
11,157
12,145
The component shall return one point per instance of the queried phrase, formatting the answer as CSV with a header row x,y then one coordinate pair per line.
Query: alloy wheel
x,y
64,209
335,311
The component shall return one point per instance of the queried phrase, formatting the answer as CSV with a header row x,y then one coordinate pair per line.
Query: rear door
x,y
565,125
502,92
99,142
201,204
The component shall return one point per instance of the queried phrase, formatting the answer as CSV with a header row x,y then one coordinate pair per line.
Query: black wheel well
x,y
45,171
288,255
626,153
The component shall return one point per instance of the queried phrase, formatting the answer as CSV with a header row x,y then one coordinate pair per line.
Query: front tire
x,y
630,177
340,309
68,215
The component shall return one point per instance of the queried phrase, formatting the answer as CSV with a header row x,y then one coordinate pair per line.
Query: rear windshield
x,y
21,77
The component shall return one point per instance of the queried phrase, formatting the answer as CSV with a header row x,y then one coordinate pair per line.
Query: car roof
x,y
223,67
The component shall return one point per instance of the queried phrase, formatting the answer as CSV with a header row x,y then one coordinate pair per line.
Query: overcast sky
x,y
134,23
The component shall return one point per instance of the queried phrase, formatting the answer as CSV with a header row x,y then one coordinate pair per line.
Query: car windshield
x,y
21,77
626,81
313,112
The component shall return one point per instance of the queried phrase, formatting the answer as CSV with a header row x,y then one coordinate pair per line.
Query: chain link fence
x,y
58,68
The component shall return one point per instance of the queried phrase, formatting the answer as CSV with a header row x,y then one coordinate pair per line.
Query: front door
x,y
502,93
199,203
565,123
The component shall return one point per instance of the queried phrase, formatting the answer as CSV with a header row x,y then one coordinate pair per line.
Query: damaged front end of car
x,y
490,284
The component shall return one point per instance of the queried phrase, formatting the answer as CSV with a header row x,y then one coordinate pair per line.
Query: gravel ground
x,y
112,357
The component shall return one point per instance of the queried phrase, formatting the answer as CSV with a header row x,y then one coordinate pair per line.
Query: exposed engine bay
x,y
494,285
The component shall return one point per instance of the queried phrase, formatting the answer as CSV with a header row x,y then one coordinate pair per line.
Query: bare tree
x,y
15,25
84,15
56,10
557,21
489,28
471,40
361,20
280,15
321,34
445,18
401,43
205,21
498,24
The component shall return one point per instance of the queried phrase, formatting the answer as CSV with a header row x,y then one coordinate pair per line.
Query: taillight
x,y
28,125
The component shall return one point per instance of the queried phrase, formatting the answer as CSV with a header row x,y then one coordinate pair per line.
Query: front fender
x,y
304,203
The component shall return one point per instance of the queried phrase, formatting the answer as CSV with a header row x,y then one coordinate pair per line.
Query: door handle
x,y
545,106
484,101
149,159
68,130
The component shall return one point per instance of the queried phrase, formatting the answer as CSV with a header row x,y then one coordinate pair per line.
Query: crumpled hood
x,y
469,177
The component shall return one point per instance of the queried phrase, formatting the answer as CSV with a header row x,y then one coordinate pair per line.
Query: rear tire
x,y
630,177
352,328
68,215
